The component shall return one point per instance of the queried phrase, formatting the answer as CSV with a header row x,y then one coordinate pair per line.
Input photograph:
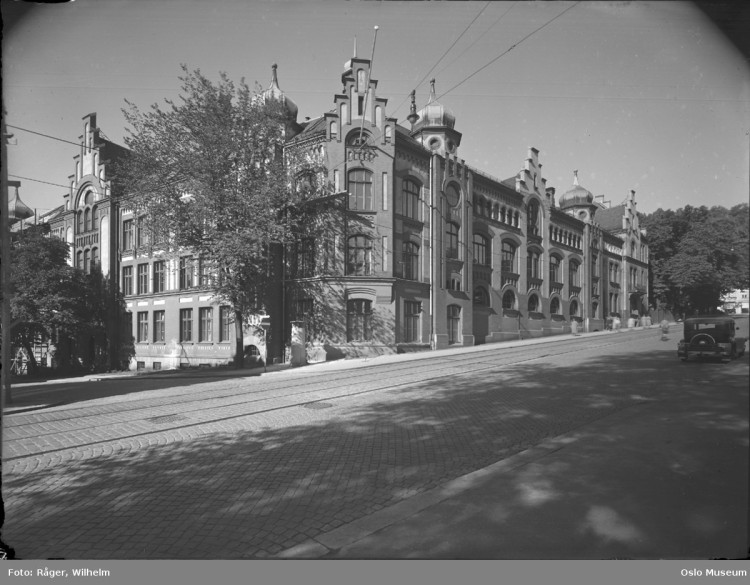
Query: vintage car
x,y
710,337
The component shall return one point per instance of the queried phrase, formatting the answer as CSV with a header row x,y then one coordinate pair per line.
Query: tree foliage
x,y
698,254
208,174
55,302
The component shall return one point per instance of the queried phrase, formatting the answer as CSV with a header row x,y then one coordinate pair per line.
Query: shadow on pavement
x,y
253,494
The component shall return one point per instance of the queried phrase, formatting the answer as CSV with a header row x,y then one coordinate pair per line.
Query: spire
x,y
575,178
354,55
274,92
433,96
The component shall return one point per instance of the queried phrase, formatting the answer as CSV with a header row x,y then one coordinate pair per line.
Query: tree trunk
x,y
32,365
239,335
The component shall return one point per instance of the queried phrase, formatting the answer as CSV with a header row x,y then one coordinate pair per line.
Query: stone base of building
x,y
143,363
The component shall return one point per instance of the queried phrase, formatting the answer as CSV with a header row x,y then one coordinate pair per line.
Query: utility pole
x,y
5,392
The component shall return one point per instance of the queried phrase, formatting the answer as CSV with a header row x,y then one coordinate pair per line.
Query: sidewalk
x,y
23,400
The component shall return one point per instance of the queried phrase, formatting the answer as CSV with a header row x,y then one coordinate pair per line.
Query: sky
x,y
644,96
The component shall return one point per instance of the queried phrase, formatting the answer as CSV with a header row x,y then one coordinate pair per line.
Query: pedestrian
x,y
616,324
664,327
574,328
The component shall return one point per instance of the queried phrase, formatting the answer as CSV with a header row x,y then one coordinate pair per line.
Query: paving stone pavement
x,y
254,474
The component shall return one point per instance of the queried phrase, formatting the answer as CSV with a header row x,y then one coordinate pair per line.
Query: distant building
x,y
434,252
736,302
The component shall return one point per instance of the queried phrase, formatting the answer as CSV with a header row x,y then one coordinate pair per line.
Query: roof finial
x,y
274,78
432,90
575,178
355,48
413,116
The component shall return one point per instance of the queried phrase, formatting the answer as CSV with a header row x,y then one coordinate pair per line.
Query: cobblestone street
x,y
247,468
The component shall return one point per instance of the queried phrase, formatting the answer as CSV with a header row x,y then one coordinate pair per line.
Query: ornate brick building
x,y
430,252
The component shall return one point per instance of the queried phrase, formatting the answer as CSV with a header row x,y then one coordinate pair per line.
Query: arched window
x,y
481,250
595,310
508,263
454,324
360,189
359,256
554,306
451,240
79,260
86,261
410,258
574,308
94,258
554,269
410,199
334,129
509,300
80,222
481,297
533,304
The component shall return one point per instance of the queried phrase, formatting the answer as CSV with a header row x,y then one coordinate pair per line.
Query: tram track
x,y
118,423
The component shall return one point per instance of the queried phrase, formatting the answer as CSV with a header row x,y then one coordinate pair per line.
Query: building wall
x,y
416,278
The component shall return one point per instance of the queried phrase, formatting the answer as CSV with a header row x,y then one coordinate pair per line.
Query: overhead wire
x,y
445,53
483,67
48,136
499,18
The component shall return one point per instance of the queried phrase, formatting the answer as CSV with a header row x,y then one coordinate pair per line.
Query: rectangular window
x,y
160,276
143,327
127,280
385,191
206,275
360,189
359,256
142,279
187,276
160,322
573,273
186,325
358,320
142,232
305,258
412,311
128,236
206,324
451,240
410,199
384,252
225,324
128,324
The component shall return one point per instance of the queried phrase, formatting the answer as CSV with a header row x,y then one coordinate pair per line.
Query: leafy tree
x,y
207,173
55,302
697,255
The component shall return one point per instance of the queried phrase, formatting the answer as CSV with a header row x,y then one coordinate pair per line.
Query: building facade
x,y
424,250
